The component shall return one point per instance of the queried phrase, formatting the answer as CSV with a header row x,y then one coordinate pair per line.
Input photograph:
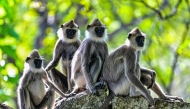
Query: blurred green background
x,y
29,24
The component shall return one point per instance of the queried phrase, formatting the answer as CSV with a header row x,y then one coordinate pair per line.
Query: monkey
x,y
124,75
65,47
31,91
88,60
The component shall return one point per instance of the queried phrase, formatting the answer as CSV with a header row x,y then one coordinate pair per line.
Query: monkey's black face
x,y
99,31
140,41
38,63
70,33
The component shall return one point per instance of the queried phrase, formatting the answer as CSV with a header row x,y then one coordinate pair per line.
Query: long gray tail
x,y
107,101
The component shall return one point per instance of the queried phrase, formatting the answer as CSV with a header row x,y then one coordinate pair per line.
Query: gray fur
x,y
88,60
65,49
125,76
32,93
122,71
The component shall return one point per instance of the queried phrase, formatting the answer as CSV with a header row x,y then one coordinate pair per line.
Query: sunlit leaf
x,y
9,50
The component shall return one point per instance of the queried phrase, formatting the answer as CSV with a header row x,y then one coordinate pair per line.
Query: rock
x,y
89,101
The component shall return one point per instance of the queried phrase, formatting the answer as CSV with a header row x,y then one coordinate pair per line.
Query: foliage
x,y
25,25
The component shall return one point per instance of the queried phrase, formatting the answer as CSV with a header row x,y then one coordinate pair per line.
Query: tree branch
x,y
176,56
159,13
124,26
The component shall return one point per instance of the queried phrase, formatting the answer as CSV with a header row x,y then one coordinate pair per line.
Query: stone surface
x,y
89,101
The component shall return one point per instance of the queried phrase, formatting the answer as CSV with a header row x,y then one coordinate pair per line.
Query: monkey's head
x,y
96,30
136,39
69,32
34,60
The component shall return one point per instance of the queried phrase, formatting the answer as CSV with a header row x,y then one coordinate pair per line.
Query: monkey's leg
x,y
59,80
157,89
79,81
28,102
147,81
48,100
147,76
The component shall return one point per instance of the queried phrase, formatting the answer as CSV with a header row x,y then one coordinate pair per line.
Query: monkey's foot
x,y
57,99
170,99
173,99
81,90
127,97
93,91
57,103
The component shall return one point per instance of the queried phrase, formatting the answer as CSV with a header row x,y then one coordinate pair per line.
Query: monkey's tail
x,y
107,101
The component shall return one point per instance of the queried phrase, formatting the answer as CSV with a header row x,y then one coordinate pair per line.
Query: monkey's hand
x,y
153,76
102,84
93,90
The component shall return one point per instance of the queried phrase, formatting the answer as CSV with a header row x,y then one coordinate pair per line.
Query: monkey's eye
x,y
70,33
99,31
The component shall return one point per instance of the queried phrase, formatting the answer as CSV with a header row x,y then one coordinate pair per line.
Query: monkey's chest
x,y
37,90
68,53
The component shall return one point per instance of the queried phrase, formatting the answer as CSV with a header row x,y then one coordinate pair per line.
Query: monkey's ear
x,y
88,26
28,58
61,26
129,35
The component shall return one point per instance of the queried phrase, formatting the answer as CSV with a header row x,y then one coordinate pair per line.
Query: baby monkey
x,y
32,93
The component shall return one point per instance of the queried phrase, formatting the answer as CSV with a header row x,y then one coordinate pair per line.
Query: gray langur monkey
x,y
65,47
125,76
88,60
32,93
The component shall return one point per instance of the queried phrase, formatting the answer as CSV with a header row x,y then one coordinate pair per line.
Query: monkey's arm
x,y
129,69
85,67
52,85
102,82
56,56
22,97
105,53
